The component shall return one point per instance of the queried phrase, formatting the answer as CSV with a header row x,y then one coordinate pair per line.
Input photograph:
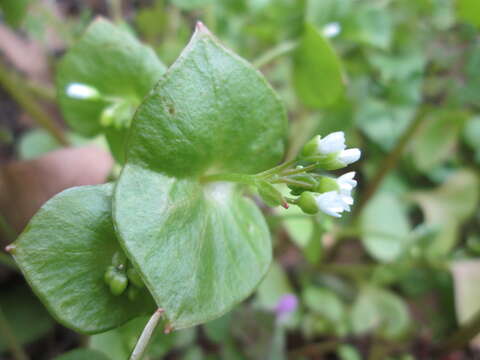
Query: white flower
x,y
81,91
331,30
332,203
346,183
349,156
332,143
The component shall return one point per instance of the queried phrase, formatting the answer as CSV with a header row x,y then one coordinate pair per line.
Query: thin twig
x,y
13,344
274,53
13,85
146,335
115,10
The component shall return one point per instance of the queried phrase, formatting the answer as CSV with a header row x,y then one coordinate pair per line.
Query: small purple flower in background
x,y
286,305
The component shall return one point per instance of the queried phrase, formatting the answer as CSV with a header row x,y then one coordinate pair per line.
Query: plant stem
x,y
390,162
239,178
10,338
115,10
301,170
274,53
292,182
462,336
146,335
13,85
276,169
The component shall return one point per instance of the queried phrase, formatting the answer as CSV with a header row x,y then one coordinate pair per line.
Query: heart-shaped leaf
x,y
64,253
117,65
200,249
211,112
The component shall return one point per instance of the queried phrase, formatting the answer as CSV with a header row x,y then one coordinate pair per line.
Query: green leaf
x,y
211,112
326,303
64,253
436,140
469,11
14,10
447,207
200,249
317,70
83,354
39,142
27,317
382,122
191,4
111,60
385,227
381,311
471,134
273,287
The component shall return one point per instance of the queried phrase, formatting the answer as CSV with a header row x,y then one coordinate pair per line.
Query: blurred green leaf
x,y
27,317
471,134
435,141
469,11
385,227
382,122
327,304
348,352
191,4
218,330
109,59
273,287
380,311
317,73
14,11
64,253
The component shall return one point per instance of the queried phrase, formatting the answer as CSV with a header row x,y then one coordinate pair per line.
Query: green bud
x,y
134,277
305,178
118,114
118,284
327,184
109,274
307,203
132,293
119,260
270,195
311,147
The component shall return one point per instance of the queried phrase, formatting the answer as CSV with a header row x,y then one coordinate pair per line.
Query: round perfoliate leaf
x,y
115,64
201,249
211,112
64,253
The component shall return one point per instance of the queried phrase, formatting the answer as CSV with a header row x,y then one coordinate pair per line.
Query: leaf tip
x,y
10,248
201,28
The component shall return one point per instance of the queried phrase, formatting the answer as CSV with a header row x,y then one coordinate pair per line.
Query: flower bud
x,y
332,143
82,91
270,195
327,184
307,203
109,274
134,277
118,283
119,260
132,293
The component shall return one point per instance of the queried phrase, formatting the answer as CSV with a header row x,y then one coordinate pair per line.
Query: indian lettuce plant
x,y
176,234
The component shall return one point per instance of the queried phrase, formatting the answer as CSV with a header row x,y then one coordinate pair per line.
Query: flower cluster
x,y
316,191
